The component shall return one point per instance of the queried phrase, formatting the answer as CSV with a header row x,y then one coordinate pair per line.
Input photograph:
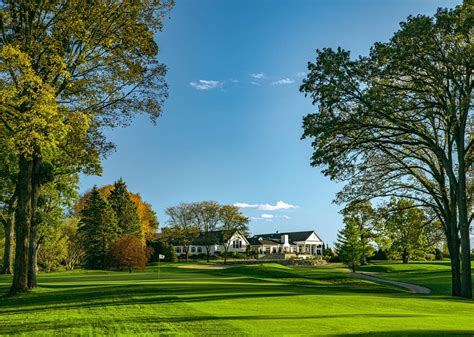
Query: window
x,y
193,249
199,249
234,244
178,250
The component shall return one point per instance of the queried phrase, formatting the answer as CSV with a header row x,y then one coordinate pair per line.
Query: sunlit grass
x,y
256,300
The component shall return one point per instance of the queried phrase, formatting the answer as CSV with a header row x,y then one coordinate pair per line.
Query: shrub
x,y
438,254
380,254
430,257
163,248
128,252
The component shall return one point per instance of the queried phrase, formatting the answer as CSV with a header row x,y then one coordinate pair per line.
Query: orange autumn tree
x,y
148,220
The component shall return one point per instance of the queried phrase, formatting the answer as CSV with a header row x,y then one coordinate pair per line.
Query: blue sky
x,y
231,128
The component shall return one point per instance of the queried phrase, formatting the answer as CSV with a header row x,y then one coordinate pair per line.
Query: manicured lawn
x,y
434,275
254,300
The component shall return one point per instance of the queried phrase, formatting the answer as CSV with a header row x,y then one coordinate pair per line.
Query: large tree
x,y
125,210
207,217
363,217
99,227
398,122
147,217
67,70
406,226
7,208
182,225
231,221
349,245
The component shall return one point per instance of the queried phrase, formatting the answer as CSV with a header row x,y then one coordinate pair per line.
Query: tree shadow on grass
x,y
181,320
413,333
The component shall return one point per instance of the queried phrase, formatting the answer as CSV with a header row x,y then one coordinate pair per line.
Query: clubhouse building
x,y
305,244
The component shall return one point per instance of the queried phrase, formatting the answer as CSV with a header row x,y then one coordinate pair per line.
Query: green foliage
x,y
125,210
398,122
362,216
99,227
349,247
52,249
405,225
163,248
76,244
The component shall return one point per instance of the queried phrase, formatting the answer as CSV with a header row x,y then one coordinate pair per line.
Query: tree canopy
x,y
398,122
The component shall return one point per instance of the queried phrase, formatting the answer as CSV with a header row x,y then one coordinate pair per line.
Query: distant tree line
x,y
108,227
396,230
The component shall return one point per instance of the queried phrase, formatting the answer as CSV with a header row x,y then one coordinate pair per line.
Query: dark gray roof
x,y
292,236
216,237
255,241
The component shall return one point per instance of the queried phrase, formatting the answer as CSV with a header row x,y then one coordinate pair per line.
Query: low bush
x,y
163,248
128,252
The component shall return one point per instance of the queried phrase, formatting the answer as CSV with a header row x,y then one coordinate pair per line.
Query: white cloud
x,y
283,81
266,207
286,217
301,74
255,83
206,84
266,216
258,76
245,205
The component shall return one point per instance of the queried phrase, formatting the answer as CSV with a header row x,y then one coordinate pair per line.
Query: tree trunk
x,y
454,248
466,281
225,254
405,256
208,253
35,221
22,226
9,228
33,257
7,267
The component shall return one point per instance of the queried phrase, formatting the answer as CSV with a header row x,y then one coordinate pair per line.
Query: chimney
x,y
284,239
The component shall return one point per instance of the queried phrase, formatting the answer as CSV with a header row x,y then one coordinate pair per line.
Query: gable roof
x,y
292,236
212,236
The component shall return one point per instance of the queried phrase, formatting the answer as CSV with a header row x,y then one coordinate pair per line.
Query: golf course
x,y
201,299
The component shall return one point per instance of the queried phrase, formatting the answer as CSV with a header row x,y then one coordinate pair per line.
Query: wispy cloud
x,y
206,84
258,76
266,207
301,74
283,81
266,216
255,83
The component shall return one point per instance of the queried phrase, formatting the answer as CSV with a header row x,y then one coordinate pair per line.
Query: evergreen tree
x,y
99,225
125,210
349,245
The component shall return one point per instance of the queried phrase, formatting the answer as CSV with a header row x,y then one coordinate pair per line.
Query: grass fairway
x,y
254,300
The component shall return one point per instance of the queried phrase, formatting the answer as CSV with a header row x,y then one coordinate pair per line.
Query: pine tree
x,y
125,210
99,225
349,245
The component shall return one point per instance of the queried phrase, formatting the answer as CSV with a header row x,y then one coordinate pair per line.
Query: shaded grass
x,y
255,300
